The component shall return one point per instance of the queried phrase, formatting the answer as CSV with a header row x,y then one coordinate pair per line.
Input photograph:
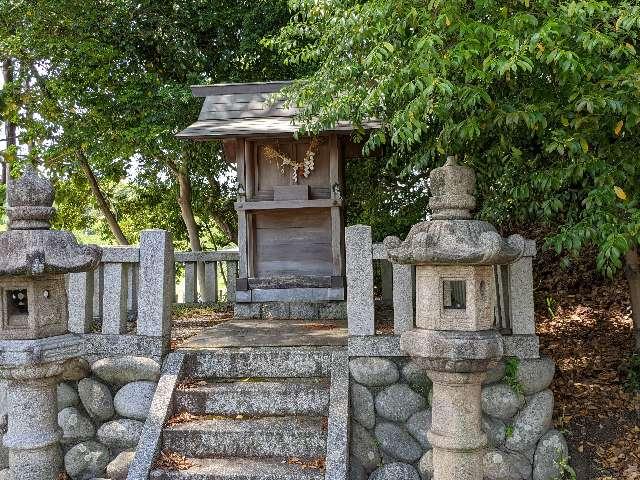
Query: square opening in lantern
x,y
17,306
454,294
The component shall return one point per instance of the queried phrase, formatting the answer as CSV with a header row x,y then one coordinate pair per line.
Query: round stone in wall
x,y
127,369
96,399
398,402
425,465
134,399
120,434
67,396
535,374
75,426
418,426
118,468
495,429
395,471
86,460
75,370
364,447
500,401
397,442
552,448
416,376
362,406
356,470
373,371
532,422
495,374
499,465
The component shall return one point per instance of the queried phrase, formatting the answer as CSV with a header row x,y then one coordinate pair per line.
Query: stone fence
x,y
514,314
124,305
213,264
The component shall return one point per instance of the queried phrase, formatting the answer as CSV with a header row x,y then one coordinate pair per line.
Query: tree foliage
x,y
541,97
109,81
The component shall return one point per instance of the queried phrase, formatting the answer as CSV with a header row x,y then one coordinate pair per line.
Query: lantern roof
x,y
29,247
233,110
452,236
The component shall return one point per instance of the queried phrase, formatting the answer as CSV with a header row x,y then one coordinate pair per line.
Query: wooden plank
x,y
223,103
246,114
251,245
337,241
238,88
242,215
249,169
288,204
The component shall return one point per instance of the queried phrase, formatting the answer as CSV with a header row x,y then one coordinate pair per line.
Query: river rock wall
x,y
391,415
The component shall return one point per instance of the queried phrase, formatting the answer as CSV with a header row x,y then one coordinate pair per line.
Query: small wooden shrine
x,y
290,204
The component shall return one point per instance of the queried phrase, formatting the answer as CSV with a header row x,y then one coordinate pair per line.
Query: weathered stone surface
x,y
495,374
418,426
535,374
398,402
397,442
332,310
134,399
86,460
121,370
96,399
5,474
499,465
373,371
551,448
120,434
395,471
75,426
359,270
356,470
362,406
500,401
364,447
425,465
495,430
118,468
75,370
416,377
532,422
67,396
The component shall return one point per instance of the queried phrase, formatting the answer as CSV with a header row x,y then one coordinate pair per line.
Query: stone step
x,y
285,437
283,362
239,469
274,397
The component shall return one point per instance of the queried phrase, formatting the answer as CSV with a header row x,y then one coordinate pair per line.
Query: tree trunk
x,y
632,272
193,230
114,226
9,128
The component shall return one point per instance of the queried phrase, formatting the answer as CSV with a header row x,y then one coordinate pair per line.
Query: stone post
x,y
359,257
455,301
34,340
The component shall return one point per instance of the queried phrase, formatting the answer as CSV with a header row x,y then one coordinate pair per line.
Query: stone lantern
x,y
34,341
454,339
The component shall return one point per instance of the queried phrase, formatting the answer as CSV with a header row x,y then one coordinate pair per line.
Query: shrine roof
x,y
246,109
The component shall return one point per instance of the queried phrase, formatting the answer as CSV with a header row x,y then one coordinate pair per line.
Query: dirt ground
x,y
584,323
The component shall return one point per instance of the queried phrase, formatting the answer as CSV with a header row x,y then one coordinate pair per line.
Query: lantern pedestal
x,y
33,368
456,362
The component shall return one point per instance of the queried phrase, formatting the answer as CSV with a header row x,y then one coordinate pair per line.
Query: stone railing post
x,y
403,311
523,341
232,275
156,287
81,308
359,267
190,282
454,339
34,338
210,293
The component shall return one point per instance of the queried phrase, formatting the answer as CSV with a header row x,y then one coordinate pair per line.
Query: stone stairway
x,y
252,414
